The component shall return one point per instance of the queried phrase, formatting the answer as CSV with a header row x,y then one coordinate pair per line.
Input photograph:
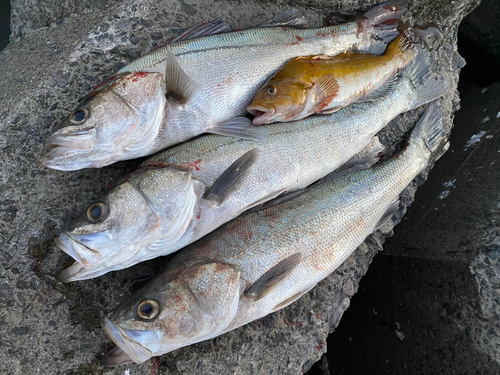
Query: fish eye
x,y
148,309
271,90
97,211
79,116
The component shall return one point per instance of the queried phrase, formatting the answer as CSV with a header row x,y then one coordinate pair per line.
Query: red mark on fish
x,y
321,34
296,43
310,62
138,75
191,166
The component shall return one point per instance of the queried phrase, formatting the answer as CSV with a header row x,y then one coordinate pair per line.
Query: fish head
x,y
279,100
181,306
117,121
148,210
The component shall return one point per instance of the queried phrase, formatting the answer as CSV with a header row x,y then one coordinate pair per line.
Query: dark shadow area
x,y
4,23
418,309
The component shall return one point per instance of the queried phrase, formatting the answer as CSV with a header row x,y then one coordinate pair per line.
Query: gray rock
x,y
49,327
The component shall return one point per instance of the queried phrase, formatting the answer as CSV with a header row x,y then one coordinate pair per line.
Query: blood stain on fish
x,y
297,42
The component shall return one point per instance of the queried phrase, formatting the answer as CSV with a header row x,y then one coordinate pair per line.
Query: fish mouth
x,y
81,253
262,114
127,343
66,152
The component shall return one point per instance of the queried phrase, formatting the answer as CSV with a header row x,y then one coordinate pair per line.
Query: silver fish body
x,y
216,77
293,156
264,261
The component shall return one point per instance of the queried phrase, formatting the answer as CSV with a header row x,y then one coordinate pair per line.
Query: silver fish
x,y
190,190
264,261
207,81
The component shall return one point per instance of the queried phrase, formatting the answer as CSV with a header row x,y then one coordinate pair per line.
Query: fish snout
x,y
128,344
82,254
262,114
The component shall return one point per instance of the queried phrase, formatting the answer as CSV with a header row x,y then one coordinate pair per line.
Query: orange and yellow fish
x,y
323,84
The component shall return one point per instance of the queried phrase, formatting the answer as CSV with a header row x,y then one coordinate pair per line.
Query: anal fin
x,y
269,280
230,179
393,208
180,88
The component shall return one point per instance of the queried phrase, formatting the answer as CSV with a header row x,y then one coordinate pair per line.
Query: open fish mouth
x,y
127,341
68,152
262,114
81,253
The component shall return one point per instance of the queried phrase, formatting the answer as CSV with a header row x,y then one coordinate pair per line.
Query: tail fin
x,y
402,49
430,134
428,86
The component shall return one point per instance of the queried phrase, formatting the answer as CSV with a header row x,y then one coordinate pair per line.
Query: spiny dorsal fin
x,y
230,179
238,127
202,28
289,18
325,89
271,278
180,87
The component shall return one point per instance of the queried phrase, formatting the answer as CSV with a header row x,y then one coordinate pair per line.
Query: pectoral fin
x,y
268,281
230,179
238,127
180,88
324,90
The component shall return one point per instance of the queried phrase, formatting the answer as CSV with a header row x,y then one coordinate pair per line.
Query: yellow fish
x,y
324,84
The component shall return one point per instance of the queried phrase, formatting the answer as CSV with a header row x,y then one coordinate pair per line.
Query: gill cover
x,y
142,216
195,303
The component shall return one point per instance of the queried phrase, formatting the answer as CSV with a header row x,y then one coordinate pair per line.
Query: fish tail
x,y
401,49
427,85
430,134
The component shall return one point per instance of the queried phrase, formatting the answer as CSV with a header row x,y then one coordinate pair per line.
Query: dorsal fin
x,y
180,88
289,18
266,283
202,28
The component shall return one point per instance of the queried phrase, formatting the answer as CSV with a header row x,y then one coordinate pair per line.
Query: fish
x,y
186,192
199,85
266,260
322,84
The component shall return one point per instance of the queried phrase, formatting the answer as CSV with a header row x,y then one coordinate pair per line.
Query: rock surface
x,y
49,327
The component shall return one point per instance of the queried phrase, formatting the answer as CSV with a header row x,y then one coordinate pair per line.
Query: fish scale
x,y
293,156
208,82
228,89
317,230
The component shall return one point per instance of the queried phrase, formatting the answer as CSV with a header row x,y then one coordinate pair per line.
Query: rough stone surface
x,y
49,327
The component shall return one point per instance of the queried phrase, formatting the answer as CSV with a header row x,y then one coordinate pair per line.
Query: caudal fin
x,y
402,49
430,134
428,86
